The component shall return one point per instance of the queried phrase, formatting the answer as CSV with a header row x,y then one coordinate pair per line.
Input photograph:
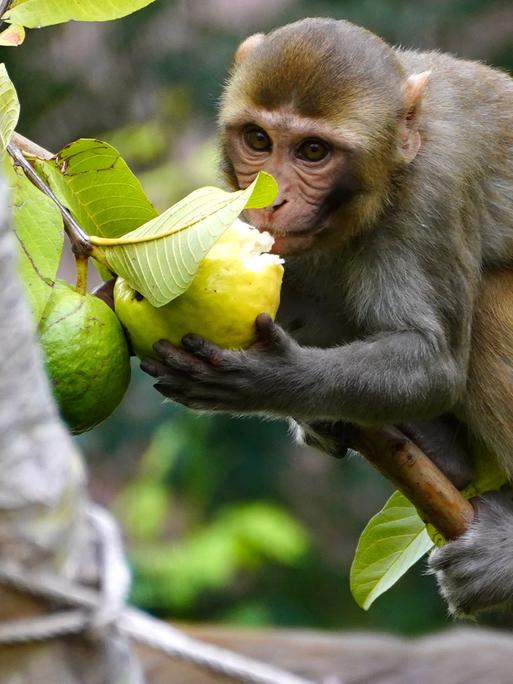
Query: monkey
x,y
395,220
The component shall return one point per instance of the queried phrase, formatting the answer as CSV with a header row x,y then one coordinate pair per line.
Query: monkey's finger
x,y
203,349
213,398
154,368
270,334
176,358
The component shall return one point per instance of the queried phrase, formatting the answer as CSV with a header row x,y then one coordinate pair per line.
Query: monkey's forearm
x,y
392,378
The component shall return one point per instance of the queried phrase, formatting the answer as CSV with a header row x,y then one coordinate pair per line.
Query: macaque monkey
x,y
395,219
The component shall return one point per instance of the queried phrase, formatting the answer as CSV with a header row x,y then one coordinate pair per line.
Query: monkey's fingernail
x,y
153,367
192,341
264,323
163,347
146,365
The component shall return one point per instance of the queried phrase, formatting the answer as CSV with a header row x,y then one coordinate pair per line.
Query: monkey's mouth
x,y
290,241
282,233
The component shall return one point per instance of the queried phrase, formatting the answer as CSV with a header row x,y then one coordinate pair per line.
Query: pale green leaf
x,y
9,108
12,36
161,258
393,540
489,476
94,182
37,13
39,230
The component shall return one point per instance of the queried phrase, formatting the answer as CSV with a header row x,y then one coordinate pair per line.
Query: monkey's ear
x,y
413,93
247,46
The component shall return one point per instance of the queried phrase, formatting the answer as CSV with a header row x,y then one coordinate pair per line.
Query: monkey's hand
x,y
203,376
475,571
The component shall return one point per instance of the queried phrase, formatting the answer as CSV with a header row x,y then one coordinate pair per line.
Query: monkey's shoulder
x,y
448,68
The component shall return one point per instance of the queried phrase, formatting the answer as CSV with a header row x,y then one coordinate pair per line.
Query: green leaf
x,y
39,230
393,540
94,182
489,476
12,36
9,108
161,258
37,13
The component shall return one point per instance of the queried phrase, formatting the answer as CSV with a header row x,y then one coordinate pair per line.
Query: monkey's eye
x,y
257,139
312,150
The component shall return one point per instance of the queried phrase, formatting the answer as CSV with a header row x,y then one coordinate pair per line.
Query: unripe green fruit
x,y
236,281
86,356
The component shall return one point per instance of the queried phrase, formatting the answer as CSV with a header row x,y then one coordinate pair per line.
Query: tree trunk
x,y
43,502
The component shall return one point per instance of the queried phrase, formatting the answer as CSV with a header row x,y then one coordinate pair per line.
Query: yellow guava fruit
x,y
237,280
86,355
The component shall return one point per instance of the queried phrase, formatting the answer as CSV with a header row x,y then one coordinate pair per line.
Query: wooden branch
x,y
417,477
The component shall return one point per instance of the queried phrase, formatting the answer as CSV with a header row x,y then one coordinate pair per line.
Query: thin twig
x,y
30,148
4,6
78,237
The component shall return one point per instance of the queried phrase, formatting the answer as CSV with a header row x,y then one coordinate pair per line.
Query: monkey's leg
x,y
443,439
330,437
475,572
488,406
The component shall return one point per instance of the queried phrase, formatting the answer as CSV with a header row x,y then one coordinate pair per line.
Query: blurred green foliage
x,y
225,519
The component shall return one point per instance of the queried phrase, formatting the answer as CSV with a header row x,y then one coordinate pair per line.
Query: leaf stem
x,y
82,263
79,239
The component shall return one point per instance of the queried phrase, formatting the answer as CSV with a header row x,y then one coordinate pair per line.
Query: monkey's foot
x,y
475,571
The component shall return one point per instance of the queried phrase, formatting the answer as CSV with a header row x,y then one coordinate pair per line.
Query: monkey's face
x,y
328,110
313,168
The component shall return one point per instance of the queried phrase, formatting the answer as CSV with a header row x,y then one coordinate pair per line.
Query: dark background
x,y
226,519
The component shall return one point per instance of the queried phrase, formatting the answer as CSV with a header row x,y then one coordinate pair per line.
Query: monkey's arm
x,y
388,378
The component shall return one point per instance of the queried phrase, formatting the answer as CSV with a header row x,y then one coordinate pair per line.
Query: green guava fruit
x,y
237,280
86,355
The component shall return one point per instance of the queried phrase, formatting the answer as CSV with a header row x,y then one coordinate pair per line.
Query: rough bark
x,y
43,500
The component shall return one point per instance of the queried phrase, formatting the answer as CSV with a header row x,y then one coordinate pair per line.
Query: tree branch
x,y
78,237
417,477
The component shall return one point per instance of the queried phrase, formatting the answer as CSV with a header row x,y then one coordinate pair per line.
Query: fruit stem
x,y
82,263
77,236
